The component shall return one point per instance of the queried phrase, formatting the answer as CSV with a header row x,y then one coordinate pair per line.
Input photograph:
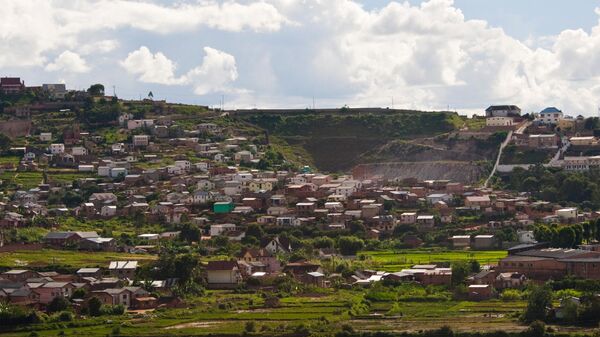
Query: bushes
x,y
15,315
510,295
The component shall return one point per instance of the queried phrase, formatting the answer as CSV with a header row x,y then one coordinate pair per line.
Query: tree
x,y
256,231
96,90
94,306
323,242
58,304
566,237
539,299
460,271
189,233
349,245
5,142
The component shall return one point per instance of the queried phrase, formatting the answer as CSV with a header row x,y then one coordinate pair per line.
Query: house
x,y
218,229
223,274
222,207
584,141
125,296
79,151
57,148
484,242
98,244
478,202
55,91
499,121
550,115
461,241
503,111
63,239
261,256
11,85
123,269
278,245
89,272
567,214
300,271
102,199
141,140
49,291
437,197
305,208
408,218
45,136
18,275
425,222
510,280
479,292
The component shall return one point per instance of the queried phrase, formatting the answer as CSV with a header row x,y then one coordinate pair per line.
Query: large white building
x,y
499,121
550,115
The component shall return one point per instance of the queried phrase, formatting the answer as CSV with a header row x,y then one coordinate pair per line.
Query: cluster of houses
x,y
111,285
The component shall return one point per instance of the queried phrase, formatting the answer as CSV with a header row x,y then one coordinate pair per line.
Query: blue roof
x,y
550,110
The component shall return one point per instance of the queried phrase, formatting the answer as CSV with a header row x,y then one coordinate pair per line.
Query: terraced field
x,y
73,259
224,312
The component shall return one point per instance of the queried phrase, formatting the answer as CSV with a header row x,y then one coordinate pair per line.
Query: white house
x,y
218,229
45,136
85,168
141,140
138,123
499,121
103,171
108,211
57,148
232,187
550,115
408,218
117,171
567,213
79,151
185,165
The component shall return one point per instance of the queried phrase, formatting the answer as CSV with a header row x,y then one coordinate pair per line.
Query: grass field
x,y
322,312
25,179
395,260
74,259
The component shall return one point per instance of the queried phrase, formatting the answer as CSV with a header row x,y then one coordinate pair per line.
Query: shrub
x,y
65,316
250,326
509,295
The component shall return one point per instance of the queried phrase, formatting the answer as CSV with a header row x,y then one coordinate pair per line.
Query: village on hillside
x,y
169,215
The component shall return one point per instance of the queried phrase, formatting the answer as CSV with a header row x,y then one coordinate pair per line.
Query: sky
x,y
461,55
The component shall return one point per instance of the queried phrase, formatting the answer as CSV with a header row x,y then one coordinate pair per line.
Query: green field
x,y
25,179
225,312
74,259
395,260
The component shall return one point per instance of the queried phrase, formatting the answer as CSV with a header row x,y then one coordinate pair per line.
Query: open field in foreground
x,y
226,313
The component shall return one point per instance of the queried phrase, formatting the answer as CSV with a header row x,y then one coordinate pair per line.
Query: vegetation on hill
x,y
556,185
347,135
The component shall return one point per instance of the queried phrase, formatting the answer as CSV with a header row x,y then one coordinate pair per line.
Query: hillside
x,y
339,139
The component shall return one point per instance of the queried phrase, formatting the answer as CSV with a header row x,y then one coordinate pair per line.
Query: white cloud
x,y
425,56
151,68
30,29
69,62
102,46
216,73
